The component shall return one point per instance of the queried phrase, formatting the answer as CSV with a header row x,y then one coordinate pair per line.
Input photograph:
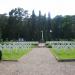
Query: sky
x,y
55,7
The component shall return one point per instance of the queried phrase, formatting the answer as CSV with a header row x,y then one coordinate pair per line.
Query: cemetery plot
x,y
15,50
63,54
14,54
63,50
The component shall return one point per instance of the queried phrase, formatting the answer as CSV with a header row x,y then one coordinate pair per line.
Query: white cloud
x,y
56,7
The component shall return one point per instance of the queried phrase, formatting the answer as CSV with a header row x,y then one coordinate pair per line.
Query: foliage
x,y
0,54
48,45
20,24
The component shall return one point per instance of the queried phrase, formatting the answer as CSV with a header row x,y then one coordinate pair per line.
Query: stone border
x,y
64,60
10,60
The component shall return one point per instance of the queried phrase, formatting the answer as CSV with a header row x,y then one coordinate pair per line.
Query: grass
x,y
14,54
63,54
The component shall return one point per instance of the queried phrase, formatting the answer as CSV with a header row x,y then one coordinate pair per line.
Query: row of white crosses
x,y
62,44
12,45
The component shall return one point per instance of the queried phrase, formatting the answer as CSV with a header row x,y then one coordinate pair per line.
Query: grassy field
x,y
63,54
14,54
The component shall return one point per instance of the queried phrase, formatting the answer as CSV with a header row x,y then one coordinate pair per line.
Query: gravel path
x,y
38,62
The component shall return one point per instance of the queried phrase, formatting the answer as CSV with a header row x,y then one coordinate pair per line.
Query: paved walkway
x,y
38,62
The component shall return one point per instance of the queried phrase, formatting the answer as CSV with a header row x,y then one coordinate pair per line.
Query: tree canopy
x,y
19,24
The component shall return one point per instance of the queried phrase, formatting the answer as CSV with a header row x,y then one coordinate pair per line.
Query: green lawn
x,y
63,54
14,54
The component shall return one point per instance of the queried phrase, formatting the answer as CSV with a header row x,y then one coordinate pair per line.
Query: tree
x,y
20,25
57,27
15,22
67,27
33,25
49,27
3,24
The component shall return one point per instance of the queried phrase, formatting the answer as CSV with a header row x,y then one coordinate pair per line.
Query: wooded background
x,y
20,24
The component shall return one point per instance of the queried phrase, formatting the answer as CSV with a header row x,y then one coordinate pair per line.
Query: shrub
x,y
0,54
46,44
49,46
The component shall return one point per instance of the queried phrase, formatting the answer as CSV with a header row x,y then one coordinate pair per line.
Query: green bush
x,y
49,46
0,54
46,44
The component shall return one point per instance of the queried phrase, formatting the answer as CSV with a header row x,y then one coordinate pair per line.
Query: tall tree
x,y
15,25
57,27
49,27
3,24
67,27
33,25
